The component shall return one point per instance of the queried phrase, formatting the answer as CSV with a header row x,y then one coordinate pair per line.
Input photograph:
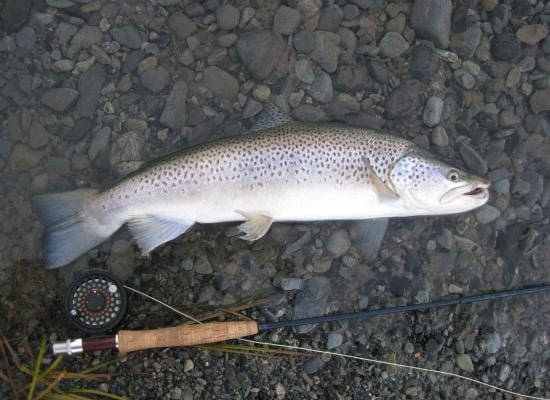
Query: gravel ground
x,y
90,89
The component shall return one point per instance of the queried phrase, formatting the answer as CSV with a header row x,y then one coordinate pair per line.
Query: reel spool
x,y
96,302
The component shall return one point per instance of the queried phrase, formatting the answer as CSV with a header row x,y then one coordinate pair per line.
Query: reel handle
x,y
185,335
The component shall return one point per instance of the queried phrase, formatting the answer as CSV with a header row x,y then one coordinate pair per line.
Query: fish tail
x,y
71,229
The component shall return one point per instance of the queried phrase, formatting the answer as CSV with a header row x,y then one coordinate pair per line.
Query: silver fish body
x,y
291,172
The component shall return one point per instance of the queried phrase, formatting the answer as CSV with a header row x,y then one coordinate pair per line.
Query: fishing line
x,y
372,360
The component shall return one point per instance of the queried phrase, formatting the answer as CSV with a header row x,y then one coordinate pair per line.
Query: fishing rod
x,y
95,302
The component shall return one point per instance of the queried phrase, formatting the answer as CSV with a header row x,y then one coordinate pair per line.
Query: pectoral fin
x,y
384,192
255,226
150,231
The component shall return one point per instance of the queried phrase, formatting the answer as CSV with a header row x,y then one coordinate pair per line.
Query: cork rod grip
x,y
185,335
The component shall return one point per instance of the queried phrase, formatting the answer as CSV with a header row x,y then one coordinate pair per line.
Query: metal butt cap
x,y
68,347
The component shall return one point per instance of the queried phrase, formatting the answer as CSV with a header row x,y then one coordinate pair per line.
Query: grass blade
x,y
99,393
37,368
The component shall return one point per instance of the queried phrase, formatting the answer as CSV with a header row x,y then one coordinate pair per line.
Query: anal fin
x,y
255,226
150,231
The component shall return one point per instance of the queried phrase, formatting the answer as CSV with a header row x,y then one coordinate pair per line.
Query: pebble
x,y
311,301
327,50
505,47
440,137
181,25
304,71
466,43
251,108
188,365
286,20
404,101
174,113
351,79
227,17
540,101
464,362
260,51
65,31
290,284
310,11
304,42
127,147
492,342
26,38
23,157
100,142
309,113
338,243
487,214
504,372
472,159
330,18
392,45
261,92
155,79
433,111
227,40
532,34
38,136
465,79
86,37
63,66
202,266
423,60
147,64
313,365
431,19
321,89
89,87
59,99
334,339
7,44
220,82
14,14
127,36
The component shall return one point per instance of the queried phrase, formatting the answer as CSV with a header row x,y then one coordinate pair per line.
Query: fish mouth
x,y
478,190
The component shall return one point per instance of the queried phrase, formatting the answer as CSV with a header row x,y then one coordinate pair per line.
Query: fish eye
x,y
454,175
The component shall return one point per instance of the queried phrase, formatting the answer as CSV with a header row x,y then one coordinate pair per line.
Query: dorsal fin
x,y
270,117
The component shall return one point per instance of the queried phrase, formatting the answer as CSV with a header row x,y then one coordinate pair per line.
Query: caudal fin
x,y
68,232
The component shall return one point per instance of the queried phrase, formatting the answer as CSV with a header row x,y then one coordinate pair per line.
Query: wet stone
x,y
227,40
260,51
60,99
431,19
89,87
532,34
321,88
23,158
326,50
202,266
86,37
351,79
251,108
330,18
304,42
313,365
38,135
423,62
540,101
334,339
181,25
304,71
132,61
404,101
392,45
290,284
220,82
338,243
25,38
227,17
100,142
433,111
309,113
350,12
286,20
440,137
155,79
127,36
174,113
65,31
505,47
472,159
464,362
465,79
466,43
487,214
14,14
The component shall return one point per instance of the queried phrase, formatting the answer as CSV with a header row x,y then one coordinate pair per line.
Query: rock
x,y
310,11
147,64
472,159
326,50
321,89
289,284
100,142
489,5
540,101
311,301
60,99
334,339
155,79
505,47
38,136
202,266
351,11
25,38
423,61
465,79
330,18
127,147
304,71
261,92
433,111
251,108
80,130
65,31
23,158
392,45
464,362
351,78
86,37
132,61
227,40
532,34
466,43
313,365
440,137
7,44
487,214
309,113
304,42
431,19
404,101
220,82
181,26
504,372
14,14
174,113
286,20
40,183
338,243
227,17
260,51
63,66
89,87
491,342
127,36
508,119
121,261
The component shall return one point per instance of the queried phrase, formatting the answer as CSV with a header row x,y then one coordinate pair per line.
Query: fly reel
x,y
96,302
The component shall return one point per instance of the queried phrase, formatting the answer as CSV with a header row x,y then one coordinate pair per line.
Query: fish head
x,y
427,183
